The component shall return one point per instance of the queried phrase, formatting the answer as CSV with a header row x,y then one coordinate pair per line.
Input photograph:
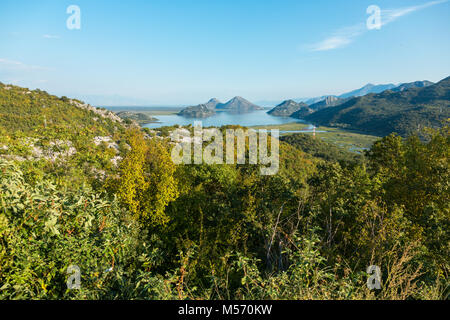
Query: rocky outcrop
x,y
101,112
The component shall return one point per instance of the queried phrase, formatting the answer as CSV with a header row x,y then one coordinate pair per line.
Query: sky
x,y
174,52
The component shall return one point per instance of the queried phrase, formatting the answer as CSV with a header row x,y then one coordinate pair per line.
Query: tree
x,y
147,184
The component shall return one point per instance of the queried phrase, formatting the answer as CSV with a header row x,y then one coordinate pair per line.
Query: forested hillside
x,y
404,112
79,187
22,110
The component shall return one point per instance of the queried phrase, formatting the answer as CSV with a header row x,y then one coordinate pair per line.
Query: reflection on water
x,y
257,118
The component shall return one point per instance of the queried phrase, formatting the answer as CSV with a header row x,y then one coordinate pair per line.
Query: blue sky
x,y
183,52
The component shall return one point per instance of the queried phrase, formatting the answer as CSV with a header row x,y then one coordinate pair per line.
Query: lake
x,y
256,118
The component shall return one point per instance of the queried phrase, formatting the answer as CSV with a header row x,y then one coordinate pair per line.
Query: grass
x,y
350,140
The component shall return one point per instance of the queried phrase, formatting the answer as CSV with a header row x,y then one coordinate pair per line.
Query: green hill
x,y
403,112
31,111
62,134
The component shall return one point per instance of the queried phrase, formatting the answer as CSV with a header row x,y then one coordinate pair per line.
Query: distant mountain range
x,y
368,88
319,103
329,101
416,84
405,110
310,101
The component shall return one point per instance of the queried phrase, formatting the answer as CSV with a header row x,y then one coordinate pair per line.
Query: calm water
x,y
257,118
141,109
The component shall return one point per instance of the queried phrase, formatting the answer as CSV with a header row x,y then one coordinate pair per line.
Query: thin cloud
x,y
18,65
388,16
339,39
49,36
345,36
332,43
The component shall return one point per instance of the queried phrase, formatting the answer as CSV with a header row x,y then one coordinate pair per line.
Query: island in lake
x,y
205,110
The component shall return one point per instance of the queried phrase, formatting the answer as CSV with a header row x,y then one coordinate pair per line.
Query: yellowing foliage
x,y
147,184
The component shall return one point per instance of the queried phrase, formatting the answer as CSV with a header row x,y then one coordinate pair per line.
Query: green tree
x,y
146,184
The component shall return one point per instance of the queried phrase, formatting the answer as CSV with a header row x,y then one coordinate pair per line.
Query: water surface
x,y
256,118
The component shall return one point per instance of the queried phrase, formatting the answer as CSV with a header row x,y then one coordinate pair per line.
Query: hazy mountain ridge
x,y
319,103
330,101
411,85
212,103
367,89
403,112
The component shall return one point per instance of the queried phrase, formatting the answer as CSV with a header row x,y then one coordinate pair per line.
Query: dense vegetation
x,y
79,188
321,149
405,112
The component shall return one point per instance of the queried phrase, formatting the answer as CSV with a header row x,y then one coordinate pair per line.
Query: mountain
x,y
302,113
330,101
368,88
200,111
212,104
286,108
238,104
416,84
403,112
203,110
310,101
